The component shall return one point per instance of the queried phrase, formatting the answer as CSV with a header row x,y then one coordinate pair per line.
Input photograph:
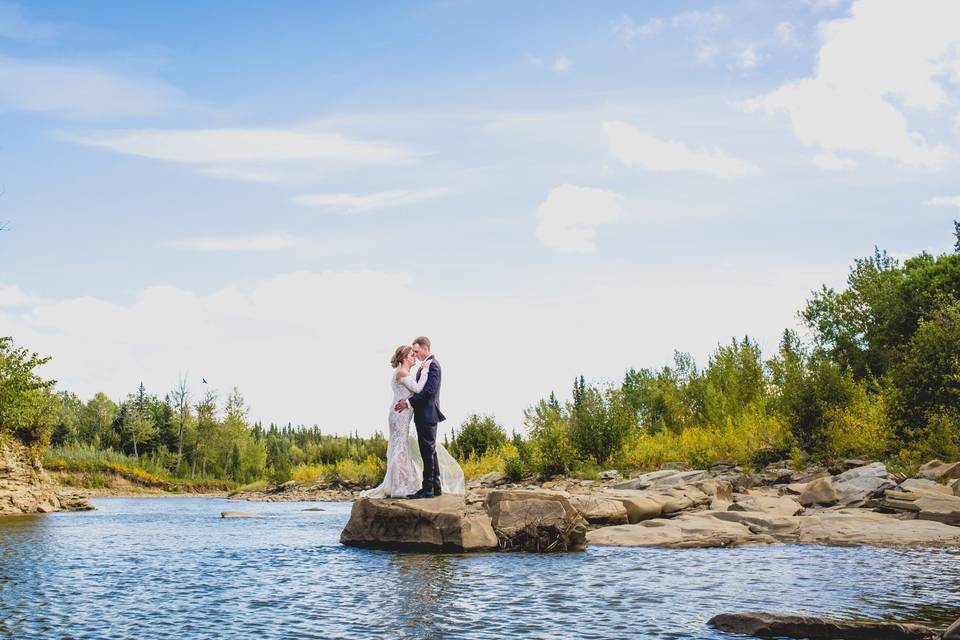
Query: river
x,y
172,568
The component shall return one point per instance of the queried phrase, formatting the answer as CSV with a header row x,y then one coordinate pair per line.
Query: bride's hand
x,y
426,365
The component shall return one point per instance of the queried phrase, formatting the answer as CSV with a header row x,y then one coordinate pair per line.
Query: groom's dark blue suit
x,y
426,416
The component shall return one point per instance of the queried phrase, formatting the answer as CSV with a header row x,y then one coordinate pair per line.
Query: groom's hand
x,y
401,405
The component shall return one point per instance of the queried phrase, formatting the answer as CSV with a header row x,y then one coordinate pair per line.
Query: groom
x,y
426,415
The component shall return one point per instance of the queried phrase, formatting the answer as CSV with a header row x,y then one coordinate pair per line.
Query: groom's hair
x,y
423,341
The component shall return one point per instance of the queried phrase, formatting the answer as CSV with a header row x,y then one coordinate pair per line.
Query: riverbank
x,y
26,488
863,504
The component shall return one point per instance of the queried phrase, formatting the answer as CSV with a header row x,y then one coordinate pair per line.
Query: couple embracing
x,y
420,468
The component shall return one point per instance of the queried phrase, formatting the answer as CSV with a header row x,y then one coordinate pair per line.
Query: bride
x,y
404,465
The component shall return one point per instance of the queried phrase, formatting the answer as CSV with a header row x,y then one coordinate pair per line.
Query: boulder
x,y
939,508
927,502
920,485
600,510
818,491
782,528
638,504
856,486
779,505
444,523
770,625
662,478
493,479
535,521
612,474
689,530
939,470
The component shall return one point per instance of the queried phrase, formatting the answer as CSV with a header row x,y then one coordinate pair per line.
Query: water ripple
x,y
171,568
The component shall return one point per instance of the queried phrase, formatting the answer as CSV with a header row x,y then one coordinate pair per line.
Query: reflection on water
x,y
155,568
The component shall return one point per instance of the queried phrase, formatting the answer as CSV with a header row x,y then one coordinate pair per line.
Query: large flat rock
x,y
848,527
862,527
689,530
444,523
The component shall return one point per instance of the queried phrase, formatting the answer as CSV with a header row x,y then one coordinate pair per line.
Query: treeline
x,y
878,377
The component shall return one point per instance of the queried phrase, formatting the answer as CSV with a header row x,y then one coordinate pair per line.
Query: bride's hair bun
x,y
399,355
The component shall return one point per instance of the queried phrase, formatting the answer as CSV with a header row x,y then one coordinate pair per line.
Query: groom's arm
x,y
429,389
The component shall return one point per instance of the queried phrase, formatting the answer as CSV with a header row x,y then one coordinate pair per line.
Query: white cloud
x,y
832,162
627,31
269,241
570,213
351,202
259,155
786,35
82,92
15,26
943,201
313,347
560,63
635,147
701,20
875,66
748,58
11,296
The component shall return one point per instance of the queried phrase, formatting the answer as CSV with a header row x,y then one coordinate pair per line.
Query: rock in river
x,y
536,521
444,523
688,530
772,625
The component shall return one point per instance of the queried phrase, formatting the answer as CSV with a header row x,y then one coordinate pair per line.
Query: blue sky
x,y
275,195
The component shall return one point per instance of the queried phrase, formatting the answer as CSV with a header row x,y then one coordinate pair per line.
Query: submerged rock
x,y
536,521
239,514
444,523
773,625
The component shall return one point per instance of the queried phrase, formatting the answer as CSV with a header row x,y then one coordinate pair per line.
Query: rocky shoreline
x,y
26,488
861,503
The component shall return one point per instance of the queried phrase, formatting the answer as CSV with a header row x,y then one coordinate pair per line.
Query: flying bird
x,y
204,380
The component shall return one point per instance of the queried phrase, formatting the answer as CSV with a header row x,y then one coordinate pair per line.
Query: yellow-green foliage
x,y
493,459
701,447
90,460
859,430
369,471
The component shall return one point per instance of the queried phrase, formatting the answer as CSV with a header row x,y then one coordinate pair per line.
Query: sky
x,y
274,196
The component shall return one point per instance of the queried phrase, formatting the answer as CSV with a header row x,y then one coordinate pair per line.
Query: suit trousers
x,y
427,439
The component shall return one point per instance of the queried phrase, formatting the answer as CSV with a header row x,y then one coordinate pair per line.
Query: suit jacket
x,y
426,403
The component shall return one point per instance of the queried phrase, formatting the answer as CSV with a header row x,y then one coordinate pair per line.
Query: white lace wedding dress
x,y
404,465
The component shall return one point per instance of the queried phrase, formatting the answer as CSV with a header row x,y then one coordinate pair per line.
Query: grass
x,y
90,468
